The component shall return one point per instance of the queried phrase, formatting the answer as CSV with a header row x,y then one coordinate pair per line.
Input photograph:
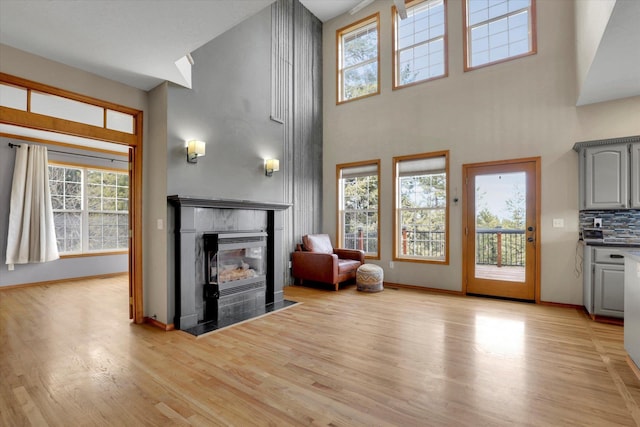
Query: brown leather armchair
x,y
317,260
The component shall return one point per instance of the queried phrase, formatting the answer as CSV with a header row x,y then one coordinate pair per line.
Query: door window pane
x,y
500,201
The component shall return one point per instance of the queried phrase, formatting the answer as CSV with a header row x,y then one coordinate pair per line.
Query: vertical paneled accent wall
x,y
297,103
281,59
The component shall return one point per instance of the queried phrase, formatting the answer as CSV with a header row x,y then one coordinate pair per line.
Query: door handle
x,y
530,228
530,240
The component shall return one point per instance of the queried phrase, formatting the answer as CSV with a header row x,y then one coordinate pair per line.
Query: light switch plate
x,y
558,222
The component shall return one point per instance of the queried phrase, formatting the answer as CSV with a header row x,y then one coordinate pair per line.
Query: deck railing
x,y
429,244
367,242
494,246
501,247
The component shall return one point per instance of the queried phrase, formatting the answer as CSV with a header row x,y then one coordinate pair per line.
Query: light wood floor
x,y
508,273
70,357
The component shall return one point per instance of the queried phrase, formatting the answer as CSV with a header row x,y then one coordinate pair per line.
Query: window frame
x,y
85,211
339,203
340,33
396,61
397,210
466,45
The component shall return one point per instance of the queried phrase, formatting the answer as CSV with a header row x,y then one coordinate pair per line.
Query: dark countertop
x,y
614,244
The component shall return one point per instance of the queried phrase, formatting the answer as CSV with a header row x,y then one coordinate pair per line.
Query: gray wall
x,y
60,269
231,107
307,134
228,108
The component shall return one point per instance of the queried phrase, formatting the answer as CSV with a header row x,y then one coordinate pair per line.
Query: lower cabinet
x,y
632,305
608,290
603,279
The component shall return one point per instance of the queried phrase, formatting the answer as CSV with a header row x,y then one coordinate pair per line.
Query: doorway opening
x,y
46,109
501,249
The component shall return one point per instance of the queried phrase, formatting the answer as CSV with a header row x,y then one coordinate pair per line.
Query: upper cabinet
x,y
606,177
635,175
609,173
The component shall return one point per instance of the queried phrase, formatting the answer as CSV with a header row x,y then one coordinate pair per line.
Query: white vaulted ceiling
x,y
138,42
133,42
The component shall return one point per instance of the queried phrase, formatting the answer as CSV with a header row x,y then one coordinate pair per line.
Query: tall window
x,y
358,59
498,30
91,208
358,207
420,43
421,220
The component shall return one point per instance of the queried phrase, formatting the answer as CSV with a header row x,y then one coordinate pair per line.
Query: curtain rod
x,y
77,154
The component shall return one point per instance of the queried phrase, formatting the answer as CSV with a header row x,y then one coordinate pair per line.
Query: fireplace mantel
x,y
203,202
194,216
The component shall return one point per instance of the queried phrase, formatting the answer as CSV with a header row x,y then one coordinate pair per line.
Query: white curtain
x,y
32,234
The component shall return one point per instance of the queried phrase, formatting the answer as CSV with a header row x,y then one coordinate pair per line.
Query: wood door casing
x,y
530,288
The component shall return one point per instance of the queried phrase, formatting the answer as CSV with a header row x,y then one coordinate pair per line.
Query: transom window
x,y
358,207
498,30
358,59
90,208
421,209
419,43
20,98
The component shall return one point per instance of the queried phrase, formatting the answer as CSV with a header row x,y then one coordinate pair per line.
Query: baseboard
x,y
422,288
53,282
609,320
561,305
153,322
633,366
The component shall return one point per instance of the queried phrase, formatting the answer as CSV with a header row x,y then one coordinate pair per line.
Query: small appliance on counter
x,y
592,235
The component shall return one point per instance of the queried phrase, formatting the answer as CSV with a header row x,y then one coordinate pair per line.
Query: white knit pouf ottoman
x,y
369,278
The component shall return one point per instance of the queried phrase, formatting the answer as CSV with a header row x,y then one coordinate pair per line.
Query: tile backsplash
x,y
616,224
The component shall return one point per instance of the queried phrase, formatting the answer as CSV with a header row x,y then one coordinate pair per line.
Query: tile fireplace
x,y
230,260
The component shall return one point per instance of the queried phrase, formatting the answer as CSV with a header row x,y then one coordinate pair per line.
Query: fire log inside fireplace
x,y
235,274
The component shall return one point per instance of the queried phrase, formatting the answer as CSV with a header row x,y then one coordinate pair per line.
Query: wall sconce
x,y
195,149
271,166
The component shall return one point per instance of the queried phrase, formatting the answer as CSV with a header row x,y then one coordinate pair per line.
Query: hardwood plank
x,y
508,273
70,356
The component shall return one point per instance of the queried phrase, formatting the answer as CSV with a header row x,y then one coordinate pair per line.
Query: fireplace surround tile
x,y
194,216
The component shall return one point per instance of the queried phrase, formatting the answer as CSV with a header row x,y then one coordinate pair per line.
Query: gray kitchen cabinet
x,y
632,305
609,173
603,280
608,297
606,177
635,176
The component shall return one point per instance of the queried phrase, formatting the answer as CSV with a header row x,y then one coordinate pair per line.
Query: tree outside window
x,y
91,209
358,216
358,59
498,30
65,187
421,209
419,43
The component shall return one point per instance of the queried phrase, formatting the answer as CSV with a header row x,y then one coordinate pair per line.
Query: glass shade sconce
x,y
271,166
195,149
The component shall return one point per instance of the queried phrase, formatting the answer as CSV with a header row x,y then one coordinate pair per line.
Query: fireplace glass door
x,y
235,274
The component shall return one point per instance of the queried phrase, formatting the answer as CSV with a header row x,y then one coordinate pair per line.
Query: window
x,y
420,43
90,208
358,59
358,214
421,217
498,30
61,107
